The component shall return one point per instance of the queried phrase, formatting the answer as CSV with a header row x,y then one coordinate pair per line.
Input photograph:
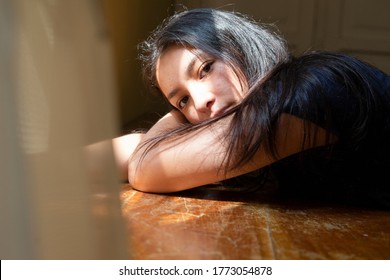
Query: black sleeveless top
x,y
351,99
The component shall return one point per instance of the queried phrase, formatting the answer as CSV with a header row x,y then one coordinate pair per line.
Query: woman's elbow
x,y
133,177
151,181
140,181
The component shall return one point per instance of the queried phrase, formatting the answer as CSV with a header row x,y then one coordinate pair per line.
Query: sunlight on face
x,y
200,86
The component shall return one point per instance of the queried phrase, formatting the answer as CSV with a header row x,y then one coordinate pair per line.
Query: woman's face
x,y
196,84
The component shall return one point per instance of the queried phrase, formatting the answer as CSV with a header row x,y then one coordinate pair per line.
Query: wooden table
x,y
212,224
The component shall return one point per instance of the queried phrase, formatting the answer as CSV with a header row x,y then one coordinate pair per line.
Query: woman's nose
x,y
203,99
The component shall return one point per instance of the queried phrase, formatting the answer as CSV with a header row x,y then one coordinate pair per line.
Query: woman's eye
x,y
206,68
182,102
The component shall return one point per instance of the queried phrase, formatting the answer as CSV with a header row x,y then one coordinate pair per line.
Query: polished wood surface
x,y
212,224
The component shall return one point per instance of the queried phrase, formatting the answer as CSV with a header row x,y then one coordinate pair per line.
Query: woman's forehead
x,y
178,58
182,48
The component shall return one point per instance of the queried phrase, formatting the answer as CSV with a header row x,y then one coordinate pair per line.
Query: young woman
x,y
241,103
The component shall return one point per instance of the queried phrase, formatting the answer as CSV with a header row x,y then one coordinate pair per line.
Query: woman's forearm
x,y
169,122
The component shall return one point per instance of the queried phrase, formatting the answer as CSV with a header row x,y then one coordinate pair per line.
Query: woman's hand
x,y
169,122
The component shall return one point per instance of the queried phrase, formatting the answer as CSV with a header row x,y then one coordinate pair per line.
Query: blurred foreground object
x,y
59,199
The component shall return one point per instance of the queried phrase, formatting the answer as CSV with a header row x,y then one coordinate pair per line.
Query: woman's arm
x,y
196,158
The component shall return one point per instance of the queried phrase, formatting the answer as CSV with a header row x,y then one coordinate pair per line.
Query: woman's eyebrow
x,y
190,66
172,93
189,70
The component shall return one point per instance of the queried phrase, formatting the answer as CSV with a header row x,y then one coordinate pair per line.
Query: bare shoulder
x,y
295,134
